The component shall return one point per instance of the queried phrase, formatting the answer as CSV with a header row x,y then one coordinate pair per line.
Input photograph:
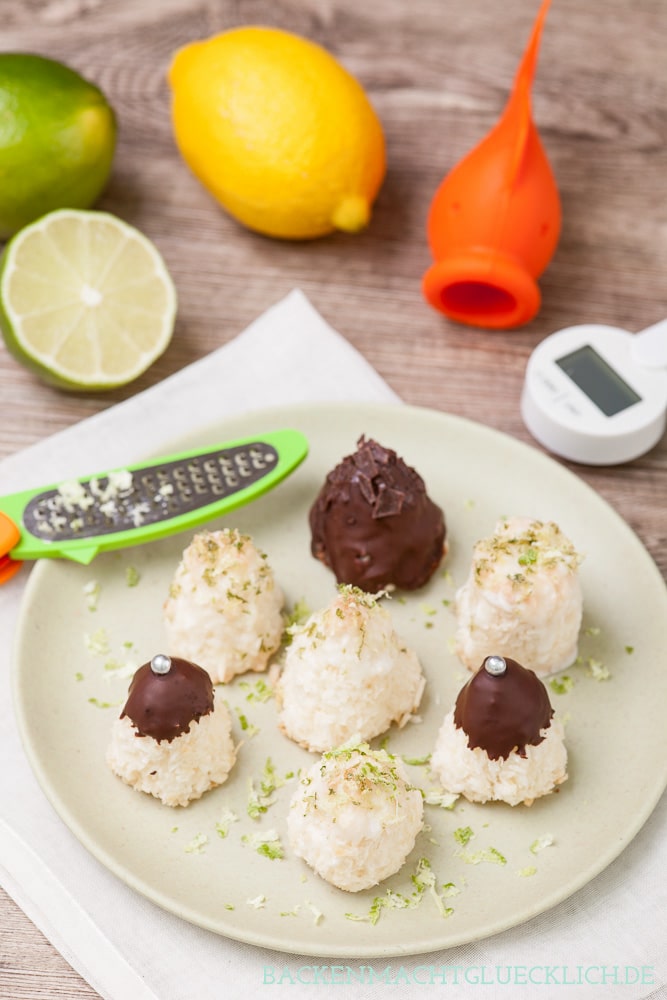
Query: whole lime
x,y
57,139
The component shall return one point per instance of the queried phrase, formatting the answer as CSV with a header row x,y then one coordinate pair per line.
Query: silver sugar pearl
x,y
161,664
495,665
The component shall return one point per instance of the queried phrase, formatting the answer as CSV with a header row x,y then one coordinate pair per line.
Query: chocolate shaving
x,y
389,502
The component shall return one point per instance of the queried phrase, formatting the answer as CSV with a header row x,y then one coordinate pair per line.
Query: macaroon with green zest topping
x,y
224,606
522,598
346,675
354,817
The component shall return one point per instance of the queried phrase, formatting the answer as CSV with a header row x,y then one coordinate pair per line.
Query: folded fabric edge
x,y
64,922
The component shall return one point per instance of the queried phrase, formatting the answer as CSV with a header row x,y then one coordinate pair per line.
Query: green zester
x,y
79,518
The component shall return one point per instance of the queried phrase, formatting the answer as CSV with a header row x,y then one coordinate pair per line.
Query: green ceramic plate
x,y
615,729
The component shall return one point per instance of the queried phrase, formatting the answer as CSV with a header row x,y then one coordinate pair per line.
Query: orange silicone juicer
x,y
494,222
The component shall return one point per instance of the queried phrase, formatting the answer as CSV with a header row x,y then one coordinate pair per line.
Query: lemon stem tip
x,y
351,214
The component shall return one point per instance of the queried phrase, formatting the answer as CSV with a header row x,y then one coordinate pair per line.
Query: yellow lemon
x,y
278,131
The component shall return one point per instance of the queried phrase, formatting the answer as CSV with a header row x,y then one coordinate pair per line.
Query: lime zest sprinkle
x,y
227,817
248,728
527,872
91,591
445,800
229,906
561,685
597,669
416,761
104,704
392,900
197,844
256,806
274,851
260,691
423,880
488,854
258,903
118,669
318,916
260,799
450,889
78,676
97,642
546,840
463,835
132,576
268,844
629,650
360,596
297,617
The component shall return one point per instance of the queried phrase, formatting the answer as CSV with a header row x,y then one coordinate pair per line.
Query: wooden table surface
x,y
438,73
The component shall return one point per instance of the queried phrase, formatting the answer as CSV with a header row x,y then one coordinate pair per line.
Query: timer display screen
x,y
598,380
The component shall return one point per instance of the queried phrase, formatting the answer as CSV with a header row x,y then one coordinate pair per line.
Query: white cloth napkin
x,y
129,949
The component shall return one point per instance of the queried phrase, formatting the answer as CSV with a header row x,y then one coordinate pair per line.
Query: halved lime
x,y
86,301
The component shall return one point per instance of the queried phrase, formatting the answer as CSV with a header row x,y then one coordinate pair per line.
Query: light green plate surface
x,y
616,735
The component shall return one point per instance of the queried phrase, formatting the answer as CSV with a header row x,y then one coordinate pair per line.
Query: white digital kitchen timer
x,y
596,394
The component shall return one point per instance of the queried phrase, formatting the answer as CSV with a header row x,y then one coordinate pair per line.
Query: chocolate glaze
x,y
163,706
503,713
373,523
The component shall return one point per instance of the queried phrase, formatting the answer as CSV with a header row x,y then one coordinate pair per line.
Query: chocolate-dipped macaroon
x,y
172,740
373,523
501,741
166,696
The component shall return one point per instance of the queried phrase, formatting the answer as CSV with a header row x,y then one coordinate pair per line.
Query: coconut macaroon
x,y
172,740
500,741
522,598
354,817
224,606
346,675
